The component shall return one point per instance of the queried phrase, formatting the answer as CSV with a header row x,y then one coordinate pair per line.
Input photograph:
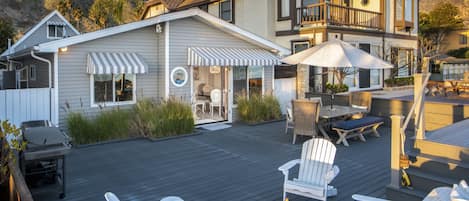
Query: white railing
x,y
453,71
18,105
399,126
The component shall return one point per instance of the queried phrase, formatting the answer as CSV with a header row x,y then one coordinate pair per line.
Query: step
x,y
439,166
398,194
426,182
442,150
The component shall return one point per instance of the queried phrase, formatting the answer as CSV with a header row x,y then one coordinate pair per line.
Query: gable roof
x,y
36,27
53,46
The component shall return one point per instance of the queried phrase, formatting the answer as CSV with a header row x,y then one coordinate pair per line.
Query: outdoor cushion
x,y
357,123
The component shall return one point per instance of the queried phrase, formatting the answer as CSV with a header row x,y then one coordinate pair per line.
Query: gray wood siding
x,y
74,82
268,80
190,32
42,71
40,35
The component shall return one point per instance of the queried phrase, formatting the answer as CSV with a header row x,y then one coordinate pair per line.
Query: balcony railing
x,y
337,15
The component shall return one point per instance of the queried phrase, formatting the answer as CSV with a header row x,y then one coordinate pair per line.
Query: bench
x,y
357,128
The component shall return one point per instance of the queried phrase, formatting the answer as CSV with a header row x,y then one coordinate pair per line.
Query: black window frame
x,y
462,39
231,10
280,17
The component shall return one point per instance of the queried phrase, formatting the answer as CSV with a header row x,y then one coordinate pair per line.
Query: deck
x,y
458,137
238,163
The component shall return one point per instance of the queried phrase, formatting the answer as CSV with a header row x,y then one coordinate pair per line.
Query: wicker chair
x,y
306,116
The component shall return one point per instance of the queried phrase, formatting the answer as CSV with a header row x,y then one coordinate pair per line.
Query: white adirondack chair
x,y
316,171
110,196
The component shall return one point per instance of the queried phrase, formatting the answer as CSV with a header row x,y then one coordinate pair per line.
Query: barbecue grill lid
x,y
44,136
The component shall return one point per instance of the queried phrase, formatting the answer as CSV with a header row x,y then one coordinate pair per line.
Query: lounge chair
x,y
315,173
111,196
306,116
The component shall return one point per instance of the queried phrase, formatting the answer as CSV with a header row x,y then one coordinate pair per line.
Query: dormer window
x,y
55,31
226,10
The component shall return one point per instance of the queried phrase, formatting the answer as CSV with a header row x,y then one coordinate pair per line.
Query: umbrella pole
x,y
332,91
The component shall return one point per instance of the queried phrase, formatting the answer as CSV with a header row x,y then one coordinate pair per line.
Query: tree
x,y
107,13
7,31
435,25
9,131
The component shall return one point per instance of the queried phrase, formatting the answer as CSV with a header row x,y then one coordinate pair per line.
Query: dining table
x,y
328,114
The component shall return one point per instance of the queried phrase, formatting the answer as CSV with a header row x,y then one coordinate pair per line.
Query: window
x,y
247,81
462,39
283,9
204,7
32,72
55,31
299,46
226,10
404,13
402,59
113,88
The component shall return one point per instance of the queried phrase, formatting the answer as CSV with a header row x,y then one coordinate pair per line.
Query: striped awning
x,y
202,56
115,63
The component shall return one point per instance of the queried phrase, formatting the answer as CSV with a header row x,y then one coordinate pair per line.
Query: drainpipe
x,y
50,80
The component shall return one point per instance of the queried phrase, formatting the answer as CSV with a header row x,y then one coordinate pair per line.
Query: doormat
x,y
215,127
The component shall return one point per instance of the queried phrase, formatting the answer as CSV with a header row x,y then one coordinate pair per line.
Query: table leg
x,y
322,130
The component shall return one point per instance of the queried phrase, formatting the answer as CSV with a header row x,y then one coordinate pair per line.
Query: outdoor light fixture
x,y
63,49
158,28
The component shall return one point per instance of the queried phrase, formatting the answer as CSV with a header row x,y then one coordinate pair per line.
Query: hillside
x,y
428,5
26,13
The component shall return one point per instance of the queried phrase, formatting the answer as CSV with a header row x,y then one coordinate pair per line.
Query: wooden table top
x,y
338,111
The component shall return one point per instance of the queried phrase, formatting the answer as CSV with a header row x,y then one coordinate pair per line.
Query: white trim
x,y
93,104
56,88
36,27
299,43
53,46
166,59
55,37
273,80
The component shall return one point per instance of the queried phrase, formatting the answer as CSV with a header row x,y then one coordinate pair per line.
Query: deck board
x,y
455,134
238,163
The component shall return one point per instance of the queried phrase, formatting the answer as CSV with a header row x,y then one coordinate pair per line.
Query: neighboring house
x,y
384,28
455,40
187,55
24,74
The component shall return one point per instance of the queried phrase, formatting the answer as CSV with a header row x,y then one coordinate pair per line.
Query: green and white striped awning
x,y
203,56
115,63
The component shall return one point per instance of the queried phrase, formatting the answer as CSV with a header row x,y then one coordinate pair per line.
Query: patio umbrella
x,y
337,54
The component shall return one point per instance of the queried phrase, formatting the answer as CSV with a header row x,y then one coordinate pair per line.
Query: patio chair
x,y
306,116
289,120
316,171
361,100
215,101
111,196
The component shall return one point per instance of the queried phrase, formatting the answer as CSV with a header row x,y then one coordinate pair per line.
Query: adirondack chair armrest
x,y
332,173
287,166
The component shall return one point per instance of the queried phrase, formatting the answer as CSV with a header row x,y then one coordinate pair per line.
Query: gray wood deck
x,y
455,134
239,163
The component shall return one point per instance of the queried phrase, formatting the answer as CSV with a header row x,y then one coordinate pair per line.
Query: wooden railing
x,y
18,190
337,15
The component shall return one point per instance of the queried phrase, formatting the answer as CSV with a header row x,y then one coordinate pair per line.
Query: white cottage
x,y
190,55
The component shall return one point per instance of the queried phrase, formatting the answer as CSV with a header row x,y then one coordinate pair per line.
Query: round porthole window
x,y
179,76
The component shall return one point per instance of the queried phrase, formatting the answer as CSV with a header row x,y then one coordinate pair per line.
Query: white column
x,y
419,101
396,125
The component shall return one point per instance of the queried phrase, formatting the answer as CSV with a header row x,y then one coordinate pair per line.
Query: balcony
x,y
326,14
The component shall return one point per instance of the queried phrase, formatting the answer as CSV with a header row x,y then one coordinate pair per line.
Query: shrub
x,y
168,118
108,125
258,108
401,81
459,53
336,88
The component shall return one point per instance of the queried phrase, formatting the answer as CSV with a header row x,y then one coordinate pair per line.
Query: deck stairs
x,y
435,161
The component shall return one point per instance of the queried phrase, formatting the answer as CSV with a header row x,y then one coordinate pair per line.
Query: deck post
x,y
419,109
396,125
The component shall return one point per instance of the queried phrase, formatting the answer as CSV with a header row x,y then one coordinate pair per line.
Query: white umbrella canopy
x,y
337,54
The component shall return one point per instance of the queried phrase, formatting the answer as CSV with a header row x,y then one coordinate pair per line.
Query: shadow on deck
x,y
239,163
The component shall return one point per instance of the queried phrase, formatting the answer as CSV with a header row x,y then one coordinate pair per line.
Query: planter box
x,y
398,88
196,132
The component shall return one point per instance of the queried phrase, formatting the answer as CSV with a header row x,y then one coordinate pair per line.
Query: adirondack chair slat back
x,y
317,158
305,115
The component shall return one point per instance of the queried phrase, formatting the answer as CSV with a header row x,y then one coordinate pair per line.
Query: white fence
x,y
18,105
453,71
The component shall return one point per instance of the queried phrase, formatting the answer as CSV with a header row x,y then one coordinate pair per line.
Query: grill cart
x,y
43,159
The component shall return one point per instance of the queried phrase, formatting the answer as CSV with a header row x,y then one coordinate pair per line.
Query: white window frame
x,y
113,103
32,72
294,43
55,37
221,11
